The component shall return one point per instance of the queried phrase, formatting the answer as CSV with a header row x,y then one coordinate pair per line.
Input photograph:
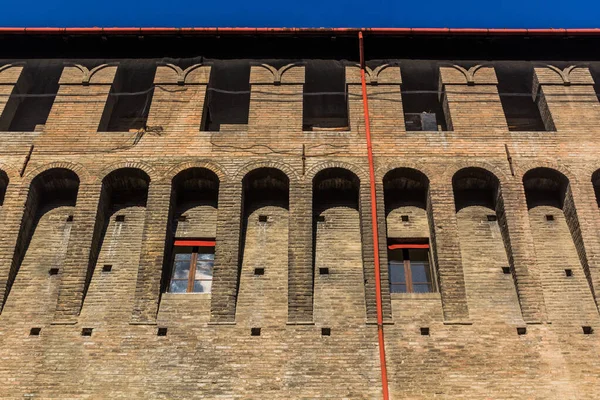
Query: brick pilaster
x,y
470,93
276,98
448,260
583,218
300,273
567,98
178,99
9,76
12,215
80,258
227,253
150,270
386,300
513,218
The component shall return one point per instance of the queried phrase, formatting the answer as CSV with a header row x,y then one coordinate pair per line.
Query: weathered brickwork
x,y
88,220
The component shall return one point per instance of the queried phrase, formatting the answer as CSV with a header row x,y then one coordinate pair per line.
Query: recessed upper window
x,y
325,100
192,269
420,98
410,268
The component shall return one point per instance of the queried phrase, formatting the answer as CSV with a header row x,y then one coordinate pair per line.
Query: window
x,y
409,268
193,263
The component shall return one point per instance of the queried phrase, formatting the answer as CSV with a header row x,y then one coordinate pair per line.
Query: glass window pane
x,y
178,286
421,288
206,253
397,272
181,268
398,288
202,286
204,269
420,272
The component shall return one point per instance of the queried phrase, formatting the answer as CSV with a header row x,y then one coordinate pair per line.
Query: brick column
x,y
300,275
179,108
385,99
80,102
583,217
150,270
567,99
446,250
80,258
12,216
470,94
276,98
9,76
386,299
227,253
513,218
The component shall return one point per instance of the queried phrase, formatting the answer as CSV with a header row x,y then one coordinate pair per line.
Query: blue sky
x,y
302,13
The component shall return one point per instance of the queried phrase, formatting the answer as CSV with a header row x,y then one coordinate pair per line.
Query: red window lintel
x,y
407,246
199,243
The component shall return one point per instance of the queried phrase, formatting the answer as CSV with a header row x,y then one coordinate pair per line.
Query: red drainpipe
x,y
384,380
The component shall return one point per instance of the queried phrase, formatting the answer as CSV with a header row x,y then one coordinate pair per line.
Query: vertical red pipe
x,y
384,380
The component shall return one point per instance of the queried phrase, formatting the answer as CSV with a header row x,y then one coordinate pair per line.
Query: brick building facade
x,y
94,213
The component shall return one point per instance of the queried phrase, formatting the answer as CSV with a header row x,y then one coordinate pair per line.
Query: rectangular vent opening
x,y
323,271
53,271
325,331
568,272
492,217
506,270
35,331
120,218
255,332
587,330
87,331
259,271
320,218
161,332
70,218
107,268
549,217
182,218
425,331
263,218
404,218
521,330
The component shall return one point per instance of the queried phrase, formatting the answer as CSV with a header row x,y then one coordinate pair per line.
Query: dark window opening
x,y
193,263
254,331
506,270
130,97
549,217
425,331
522,111
39,81
325,331
53,271
475,187
404,218
587,330
410,268
323,271
259,271
545,187
521,330
107,268
120,218
423,110
325,99
227,100
263,218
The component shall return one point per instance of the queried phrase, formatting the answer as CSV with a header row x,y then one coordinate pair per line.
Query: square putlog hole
x,y
404,218
161,332
425,331
120,218
70,218
259,271
587,330
568,273
182,218
255,332
325,331
35,331
320,218
506,270
263,218
87,331
521,330
549,217
53,271
107,268
492,217
323,271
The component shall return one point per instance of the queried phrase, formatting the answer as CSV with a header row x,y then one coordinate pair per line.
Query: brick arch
x,y
362,175
523,168
10,171
150,171
283,167
207,164
79,170
383,170
501,175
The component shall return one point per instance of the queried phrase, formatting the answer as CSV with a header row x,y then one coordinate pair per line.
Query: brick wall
x,y
472,350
